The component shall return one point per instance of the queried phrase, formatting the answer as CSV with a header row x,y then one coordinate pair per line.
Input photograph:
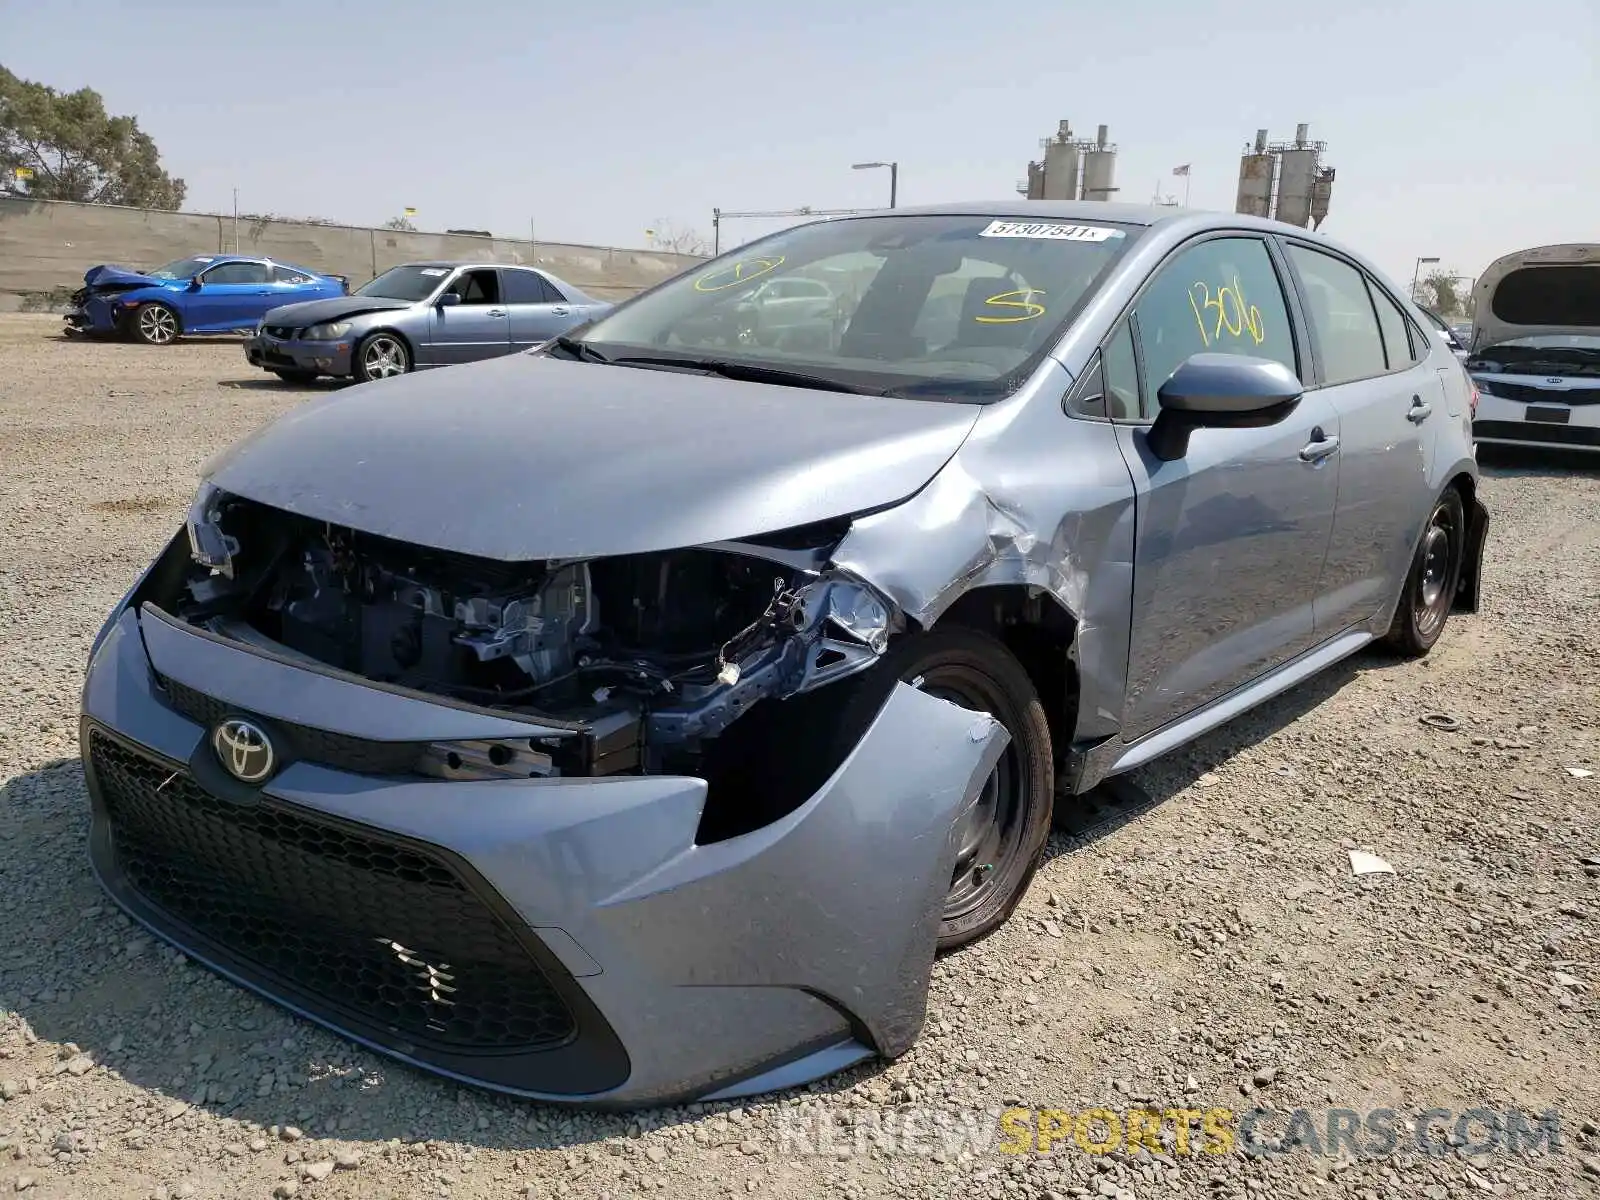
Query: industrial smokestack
x,y
1301,134
1261,141
1100,137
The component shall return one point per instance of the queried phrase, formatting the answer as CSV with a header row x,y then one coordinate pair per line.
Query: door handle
x,y
1419,411
495,312
1319,447
559,310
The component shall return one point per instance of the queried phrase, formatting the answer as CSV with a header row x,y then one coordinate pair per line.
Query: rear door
x,y
232,295
477,327
1230,538
537,311
1391,402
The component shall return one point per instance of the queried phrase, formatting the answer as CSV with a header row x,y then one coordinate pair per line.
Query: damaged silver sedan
x,y
635,720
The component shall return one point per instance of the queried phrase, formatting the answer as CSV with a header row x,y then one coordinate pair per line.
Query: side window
x,y
1397,335
1220,296
237,272
524,287
285,275
1341,313
1112,388
552,294
1121,372
479,287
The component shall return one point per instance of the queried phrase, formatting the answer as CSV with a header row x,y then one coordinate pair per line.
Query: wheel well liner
x,y
1470,585
1041,632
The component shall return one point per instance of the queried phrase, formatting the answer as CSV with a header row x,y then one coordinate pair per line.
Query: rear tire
x,y
1001,849
297,376
1430,588
380,355
155,324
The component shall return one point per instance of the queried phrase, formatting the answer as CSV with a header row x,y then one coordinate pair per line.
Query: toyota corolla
x,y
634,719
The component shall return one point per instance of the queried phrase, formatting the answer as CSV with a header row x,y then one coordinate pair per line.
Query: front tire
x,y
1430,588
380,355
155,324
1001,843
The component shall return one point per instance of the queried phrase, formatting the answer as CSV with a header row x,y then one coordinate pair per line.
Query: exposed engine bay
x,y
645,656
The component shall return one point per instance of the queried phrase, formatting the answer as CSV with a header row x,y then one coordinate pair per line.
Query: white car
x,y
1536,349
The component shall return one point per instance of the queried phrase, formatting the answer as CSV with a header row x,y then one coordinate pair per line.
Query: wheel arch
x,y
128,322
1041,632
394,331
1469,587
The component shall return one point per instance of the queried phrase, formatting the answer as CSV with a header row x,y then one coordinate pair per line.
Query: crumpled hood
x,y
106,274
1540,291
527,457
314,312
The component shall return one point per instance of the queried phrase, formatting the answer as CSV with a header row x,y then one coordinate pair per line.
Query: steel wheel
x,y
990,833
382,356
1430,589
156,324
998,845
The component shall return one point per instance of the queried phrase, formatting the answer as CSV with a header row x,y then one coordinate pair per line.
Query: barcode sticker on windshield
x,y
435,270
1050,231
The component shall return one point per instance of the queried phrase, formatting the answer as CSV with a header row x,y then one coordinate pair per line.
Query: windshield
x,y
405,283
956,306
181,268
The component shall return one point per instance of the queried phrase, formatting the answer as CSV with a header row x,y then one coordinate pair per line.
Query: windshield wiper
x,y
580,350
750,373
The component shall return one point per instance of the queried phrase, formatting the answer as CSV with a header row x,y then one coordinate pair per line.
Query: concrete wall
x,y
46,244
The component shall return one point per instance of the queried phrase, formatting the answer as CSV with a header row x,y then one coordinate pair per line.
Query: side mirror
x,y
1220,391
195,285
449,300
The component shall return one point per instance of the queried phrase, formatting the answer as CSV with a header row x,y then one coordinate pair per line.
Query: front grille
x,y
1529,393
385,931
1537,431
341,751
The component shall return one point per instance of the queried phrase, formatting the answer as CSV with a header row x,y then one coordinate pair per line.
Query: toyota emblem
x,y
244,749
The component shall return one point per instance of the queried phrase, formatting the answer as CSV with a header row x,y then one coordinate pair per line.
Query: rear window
x,y
1555,295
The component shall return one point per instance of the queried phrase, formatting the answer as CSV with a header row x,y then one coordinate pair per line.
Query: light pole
x,y
1416,274
894,175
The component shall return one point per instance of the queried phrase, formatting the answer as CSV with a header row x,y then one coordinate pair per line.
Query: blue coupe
x,y
206,293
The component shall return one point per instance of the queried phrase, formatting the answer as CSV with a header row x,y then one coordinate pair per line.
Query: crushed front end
x,y
568,829
100,310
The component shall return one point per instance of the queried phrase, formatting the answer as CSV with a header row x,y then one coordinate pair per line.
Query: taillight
x,y
1474,387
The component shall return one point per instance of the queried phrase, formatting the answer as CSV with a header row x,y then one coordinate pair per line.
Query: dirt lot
x,y
1214,952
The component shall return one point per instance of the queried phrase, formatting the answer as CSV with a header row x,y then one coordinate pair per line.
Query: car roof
x,y
464,262
1148,215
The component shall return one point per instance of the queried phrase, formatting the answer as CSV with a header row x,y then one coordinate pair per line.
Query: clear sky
x,y
1461,130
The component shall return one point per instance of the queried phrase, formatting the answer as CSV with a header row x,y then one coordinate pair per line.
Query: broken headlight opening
x,y
645,662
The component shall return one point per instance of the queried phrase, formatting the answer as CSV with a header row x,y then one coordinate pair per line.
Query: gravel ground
x,y
1214,951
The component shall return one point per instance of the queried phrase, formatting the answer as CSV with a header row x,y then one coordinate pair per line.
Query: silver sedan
x,y
426,314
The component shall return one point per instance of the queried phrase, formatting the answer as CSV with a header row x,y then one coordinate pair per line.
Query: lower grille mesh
x,y
385,931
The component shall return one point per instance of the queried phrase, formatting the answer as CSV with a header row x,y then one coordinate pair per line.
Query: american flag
x,y
1183,170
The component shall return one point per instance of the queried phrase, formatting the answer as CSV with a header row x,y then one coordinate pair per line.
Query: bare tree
x,y
676,239
403,224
